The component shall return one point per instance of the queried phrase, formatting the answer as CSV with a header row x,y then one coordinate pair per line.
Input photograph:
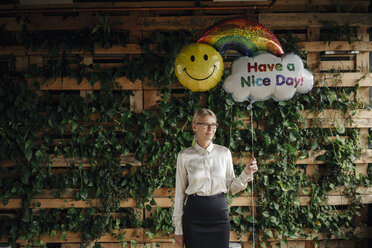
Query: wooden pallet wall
x,y
303,17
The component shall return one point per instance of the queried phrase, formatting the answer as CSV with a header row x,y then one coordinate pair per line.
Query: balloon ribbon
x,y
250,107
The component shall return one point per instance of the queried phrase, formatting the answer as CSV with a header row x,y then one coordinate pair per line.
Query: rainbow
x,y
245,36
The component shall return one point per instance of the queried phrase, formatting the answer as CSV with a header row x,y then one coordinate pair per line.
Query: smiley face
x,y
199,67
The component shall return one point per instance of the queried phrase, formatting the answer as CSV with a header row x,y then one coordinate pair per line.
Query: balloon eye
x,y
192,58
205,57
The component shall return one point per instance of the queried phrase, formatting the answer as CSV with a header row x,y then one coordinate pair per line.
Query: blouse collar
x,y
201,150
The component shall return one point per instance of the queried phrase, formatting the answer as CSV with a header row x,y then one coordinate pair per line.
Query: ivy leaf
x,y
291,149
250,219
340,128
28,149
269,233
285,187
236,220
239,211
274,220
305,191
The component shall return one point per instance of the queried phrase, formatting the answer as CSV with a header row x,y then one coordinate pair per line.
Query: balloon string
x,y
250,107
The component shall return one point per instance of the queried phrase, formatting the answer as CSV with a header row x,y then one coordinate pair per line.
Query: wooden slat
x,y
139,236
136,101
158,245
62,203
321,46
309,46
281,4
332,113
115,49
362,118
360,232
150,98
337,65
333,198
22,63
39,22
123,83
179,22
328,118
346,79
282,20
62,162
130,234
366,157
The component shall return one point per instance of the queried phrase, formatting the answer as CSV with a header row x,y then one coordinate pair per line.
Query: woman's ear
x,y
194,127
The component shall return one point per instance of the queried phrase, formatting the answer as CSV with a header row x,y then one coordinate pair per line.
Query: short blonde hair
x,y
200,113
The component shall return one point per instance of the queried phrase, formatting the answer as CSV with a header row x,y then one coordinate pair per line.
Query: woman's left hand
x,y
251,167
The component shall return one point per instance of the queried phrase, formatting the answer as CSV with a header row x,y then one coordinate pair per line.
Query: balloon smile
x,y
197,79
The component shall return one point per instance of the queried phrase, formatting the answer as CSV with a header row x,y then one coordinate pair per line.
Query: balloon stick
x,y
250,107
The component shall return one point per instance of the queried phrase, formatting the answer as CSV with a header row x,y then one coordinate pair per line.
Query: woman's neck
x,y
204,144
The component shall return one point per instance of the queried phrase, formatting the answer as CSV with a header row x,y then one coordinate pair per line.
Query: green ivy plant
x,y
93,132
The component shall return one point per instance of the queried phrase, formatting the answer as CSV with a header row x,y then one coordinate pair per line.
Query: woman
x,y
204,174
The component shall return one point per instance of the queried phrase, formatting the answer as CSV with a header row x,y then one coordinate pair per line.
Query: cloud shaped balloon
x,y
267,76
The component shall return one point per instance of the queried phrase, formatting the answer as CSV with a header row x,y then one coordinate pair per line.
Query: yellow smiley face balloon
x,y
199,67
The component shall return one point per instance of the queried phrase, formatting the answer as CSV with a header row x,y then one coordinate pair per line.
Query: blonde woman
x,y
204,174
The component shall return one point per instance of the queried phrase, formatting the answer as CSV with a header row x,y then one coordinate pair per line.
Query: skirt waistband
x,y
207,197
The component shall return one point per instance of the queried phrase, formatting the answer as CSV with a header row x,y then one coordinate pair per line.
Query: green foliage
x,y
100,128
335,32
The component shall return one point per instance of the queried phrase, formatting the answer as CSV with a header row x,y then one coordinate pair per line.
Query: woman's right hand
x,y
179,240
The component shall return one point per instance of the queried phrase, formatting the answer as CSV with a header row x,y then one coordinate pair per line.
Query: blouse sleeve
x,y
235,185
181,182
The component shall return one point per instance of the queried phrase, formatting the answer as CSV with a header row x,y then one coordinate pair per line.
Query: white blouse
x,y
204,172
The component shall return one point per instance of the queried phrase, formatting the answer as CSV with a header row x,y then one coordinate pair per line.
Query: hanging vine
x,y
92,134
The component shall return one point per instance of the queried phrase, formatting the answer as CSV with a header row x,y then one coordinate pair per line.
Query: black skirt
x,y
206,222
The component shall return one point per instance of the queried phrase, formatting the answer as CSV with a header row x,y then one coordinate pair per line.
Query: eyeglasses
x,y
208,125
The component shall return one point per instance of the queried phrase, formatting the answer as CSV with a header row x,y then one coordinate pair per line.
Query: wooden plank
x,y
337,65
360,232
346,79
130,234
158,245
282,20
361,169
128,49
332,113
333,198
62,162
292,244
331,123
327,119
21,63
338,244
366,157
313,61
39,22
179,22
321,46
12,204
150,98
65,83
362,118
179,4
136,101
